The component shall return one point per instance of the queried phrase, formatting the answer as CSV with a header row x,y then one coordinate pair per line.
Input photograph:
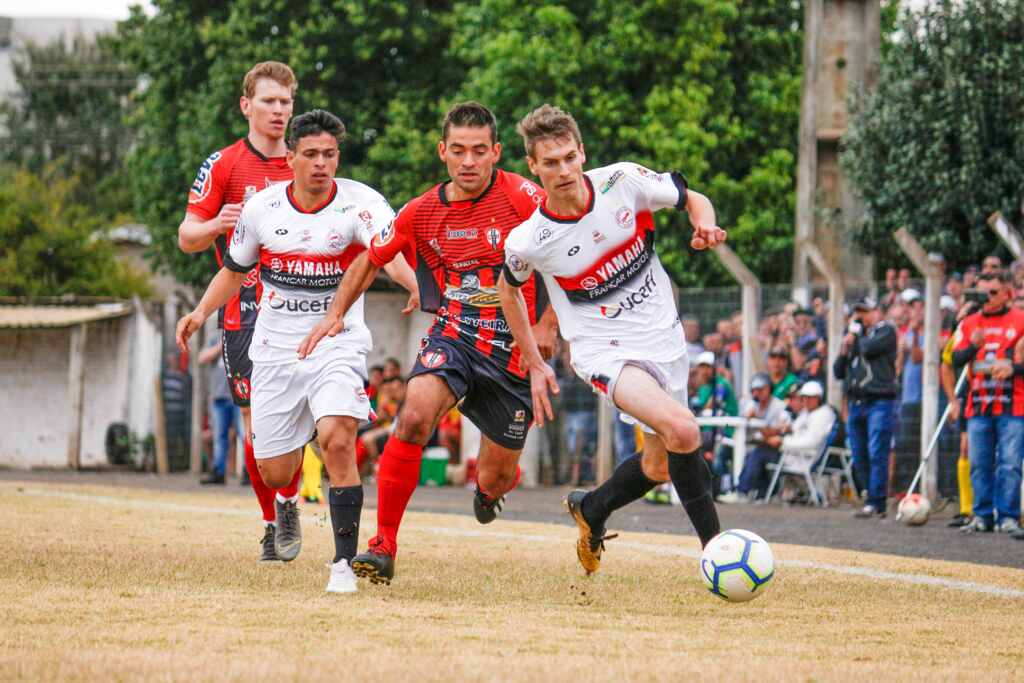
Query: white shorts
x,y
289,398
603,374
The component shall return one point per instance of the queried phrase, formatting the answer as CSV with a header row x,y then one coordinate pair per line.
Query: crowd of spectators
x,y
881,367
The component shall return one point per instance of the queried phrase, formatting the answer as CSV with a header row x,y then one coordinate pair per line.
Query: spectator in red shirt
x,y
995,405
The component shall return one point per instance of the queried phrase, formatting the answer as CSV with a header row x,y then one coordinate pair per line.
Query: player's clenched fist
x,y
186,327
707,237
228,217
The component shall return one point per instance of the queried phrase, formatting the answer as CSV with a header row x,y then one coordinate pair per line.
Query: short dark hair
x,y
376,368
471,114
314,122
1001,274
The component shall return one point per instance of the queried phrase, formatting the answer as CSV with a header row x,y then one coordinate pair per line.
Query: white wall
x,y
34,397
394,334
122,358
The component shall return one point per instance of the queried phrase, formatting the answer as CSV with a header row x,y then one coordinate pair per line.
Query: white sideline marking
x,y
658,549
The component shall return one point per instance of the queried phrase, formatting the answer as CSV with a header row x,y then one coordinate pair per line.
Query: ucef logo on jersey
x,y
204,180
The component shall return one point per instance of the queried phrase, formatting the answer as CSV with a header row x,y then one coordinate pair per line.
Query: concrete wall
x,y
122,359
34,397
394,334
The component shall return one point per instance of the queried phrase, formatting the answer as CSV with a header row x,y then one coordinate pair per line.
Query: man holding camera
x,y
867,363
995,404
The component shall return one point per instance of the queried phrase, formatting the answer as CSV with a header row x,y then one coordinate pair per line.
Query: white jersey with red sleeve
x,y
606,284
302,256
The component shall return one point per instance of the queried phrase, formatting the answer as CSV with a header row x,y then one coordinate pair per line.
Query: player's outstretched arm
x,y
223,286
542,377
706,233
354,282
398,270
195,234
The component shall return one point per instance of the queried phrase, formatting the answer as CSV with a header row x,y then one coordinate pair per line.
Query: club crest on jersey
x,y
624,217
432,359
204,180
608,184
494,237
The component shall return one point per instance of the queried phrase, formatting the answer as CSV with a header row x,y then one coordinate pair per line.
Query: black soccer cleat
x,y
486,511
288,539
376,564
590,544
268,554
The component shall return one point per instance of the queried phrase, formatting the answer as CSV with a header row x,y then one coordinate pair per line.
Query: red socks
x,y
264,494
397,476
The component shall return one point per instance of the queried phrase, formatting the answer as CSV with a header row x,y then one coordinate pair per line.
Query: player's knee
x,y
413,426
273,476
683,436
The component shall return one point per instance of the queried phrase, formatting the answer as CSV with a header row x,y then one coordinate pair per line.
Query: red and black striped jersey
x,y
231,176
987,395
457,250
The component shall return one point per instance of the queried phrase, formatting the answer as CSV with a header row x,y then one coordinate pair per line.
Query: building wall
x,y
34,397
122,359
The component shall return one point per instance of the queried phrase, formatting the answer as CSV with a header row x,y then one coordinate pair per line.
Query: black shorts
x,y
237,364
495,400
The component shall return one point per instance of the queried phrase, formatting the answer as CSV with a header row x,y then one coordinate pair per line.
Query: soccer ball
x,y
914,509
736,565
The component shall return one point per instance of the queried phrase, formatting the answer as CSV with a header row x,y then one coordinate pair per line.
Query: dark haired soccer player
x,y
303,236
593,242
226,179
454,233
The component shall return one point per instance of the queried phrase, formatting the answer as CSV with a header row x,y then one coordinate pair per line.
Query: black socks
x,y
627,483
346,504
692,479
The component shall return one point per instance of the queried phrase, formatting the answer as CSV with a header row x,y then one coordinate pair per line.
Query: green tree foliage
x,y
54,246
940,145
69,106
709,87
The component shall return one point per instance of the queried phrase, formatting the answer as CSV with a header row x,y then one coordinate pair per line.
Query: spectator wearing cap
x,y
778,371
803,338
912,357
814,423
867,365
713,396
995,405
765,441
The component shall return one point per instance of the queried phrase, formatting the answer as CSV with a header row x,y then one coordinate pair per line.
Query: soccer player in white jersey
x,y
303,235
592,240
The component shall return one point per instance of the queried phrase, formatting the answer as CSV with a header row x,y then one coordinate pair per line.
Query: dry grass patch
x,y
102,584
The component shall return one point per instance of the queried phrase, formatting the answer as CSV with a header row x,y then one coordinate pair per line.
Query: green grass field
x,y
130,584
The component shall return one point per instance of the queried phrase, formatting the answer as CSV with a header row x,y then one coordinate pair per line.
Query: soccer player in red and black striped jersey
x,y
225,181
454,234
995,405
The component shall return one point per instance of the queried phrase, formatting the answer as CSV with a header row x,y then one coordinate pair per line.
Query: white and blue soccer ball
x,y
737,565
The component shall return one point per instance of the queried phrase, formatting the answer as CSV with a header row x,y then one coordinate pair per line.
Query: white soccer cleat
x,y
342,579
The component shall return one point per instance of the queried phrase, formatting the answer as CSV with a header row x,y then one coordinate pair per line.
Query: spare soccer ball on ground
x,y
737,565
914,509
